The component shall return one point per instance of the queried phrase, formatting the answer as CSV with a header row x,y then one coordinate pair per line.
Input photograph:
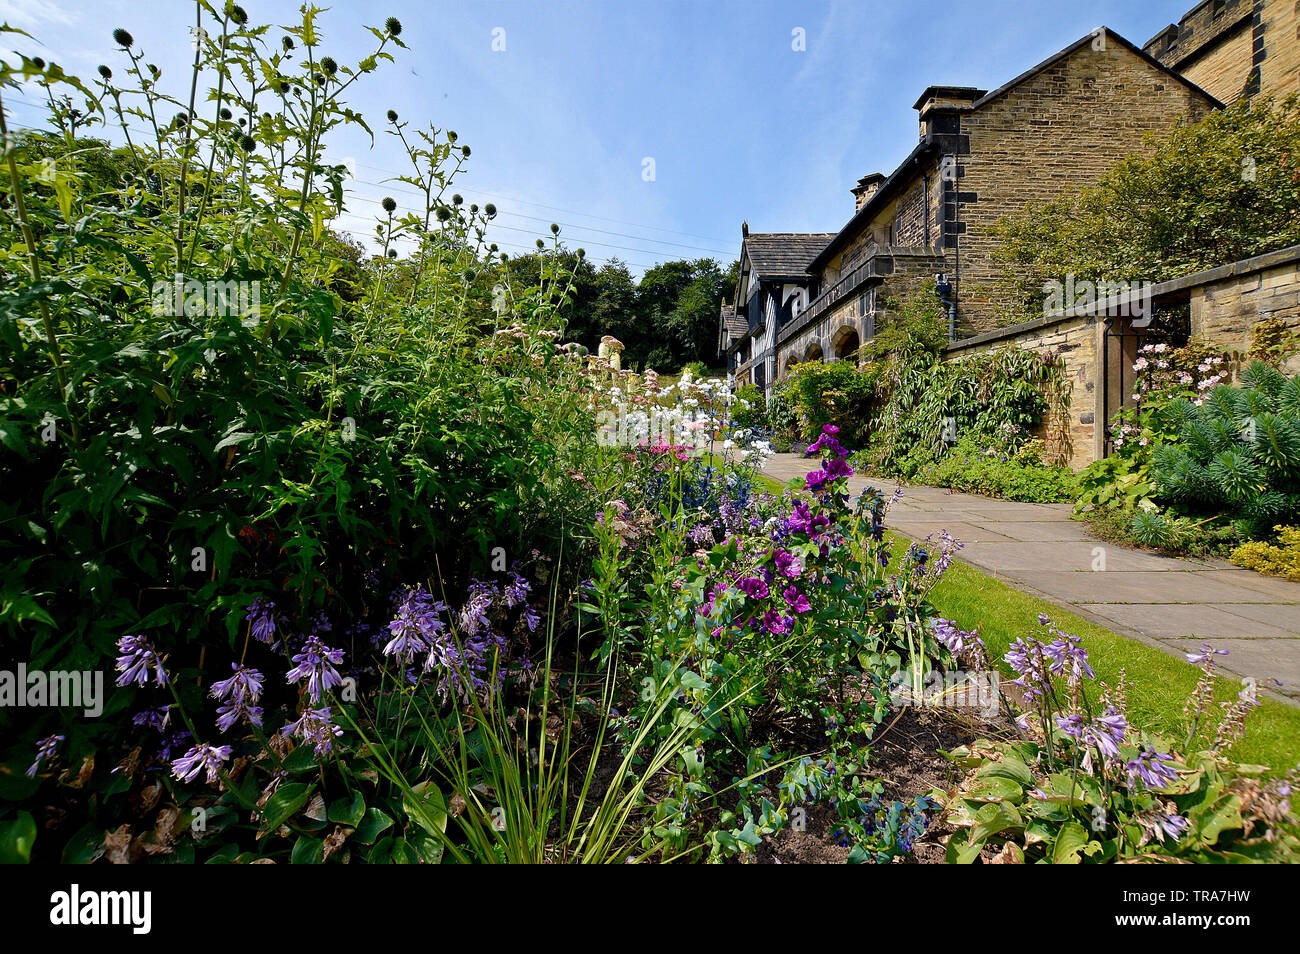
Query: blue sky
x,y
740,125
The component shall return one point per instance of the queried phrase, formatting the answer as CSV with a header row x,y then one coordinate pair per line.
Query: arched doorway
x,y
813,352
846,344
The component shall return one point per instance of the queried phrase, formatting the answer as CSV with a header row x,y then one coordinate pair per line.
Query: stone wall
x,y
1235,47
1225,311
1224,305
1058,131
1077,341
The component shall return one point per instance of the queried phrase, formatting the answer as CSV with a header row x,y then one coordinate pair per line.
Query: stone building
x,y
772,290
981,155
1048,132
1235,48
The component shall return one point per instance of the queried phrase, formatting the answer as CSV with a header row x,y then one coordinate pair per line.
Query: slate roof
x,y
784,254
734,324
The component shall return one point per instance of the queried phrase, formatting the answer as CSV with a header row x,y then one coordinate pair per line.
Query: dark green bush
x,y
1237,454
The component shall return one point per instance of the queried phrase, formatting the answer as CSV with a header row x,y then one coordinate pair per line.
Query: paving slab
x,y
1260,659
1044,531
1164,620
1166,602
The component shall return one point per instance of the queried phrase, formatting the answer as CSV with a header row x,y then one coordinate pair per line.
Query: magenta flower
x,y
797,601
787,564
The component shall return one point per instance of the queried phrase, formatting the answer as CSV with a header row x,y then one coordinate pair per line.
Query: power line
x,y
590,215
404,188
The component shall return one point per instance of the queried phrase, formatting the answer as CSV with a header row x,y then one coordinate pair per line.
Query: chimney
x,y
940,106
865,189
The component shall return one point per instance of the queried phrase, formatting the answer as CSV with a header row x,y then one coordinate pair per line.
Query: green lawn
x,y
1159,683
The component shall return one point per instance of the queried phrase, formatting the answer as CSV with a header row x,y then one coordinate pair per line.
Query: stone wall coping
x,y
1245,266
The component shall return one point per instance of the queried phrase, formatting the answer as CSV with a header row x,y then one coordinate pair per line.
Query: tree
x,y
1211,193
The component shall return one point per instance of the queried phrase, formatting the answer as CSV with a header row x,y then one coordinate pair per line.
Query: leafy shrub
x,y
1212,192
929,402
751,408
973,466
1238,454
1279,559
1087,785
179,467
838,393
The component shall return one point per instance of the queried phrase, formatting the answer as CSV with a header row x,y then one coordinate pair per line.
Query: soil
x,y
905,757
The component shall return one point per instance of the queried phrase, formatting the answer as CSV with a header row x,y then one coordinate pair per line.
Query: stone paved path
x,y
1163,601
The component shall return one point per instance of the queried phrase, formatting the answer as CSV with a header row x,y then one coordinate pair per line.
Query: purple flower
x,y
531,619
827,442
776,624
1206,655
45,749
138,657
1044,619
316,664
701,534
787,564
753,587
1172,826
518,589
238,696
797,601
201,758
261,613
947,632
314,728
1026,657
153,718
1105,732
1068,658
473,616
1149,768
415,626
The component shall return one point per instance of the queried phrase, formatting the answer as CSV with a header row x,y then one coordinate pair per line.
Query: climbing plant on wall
x,y
929,403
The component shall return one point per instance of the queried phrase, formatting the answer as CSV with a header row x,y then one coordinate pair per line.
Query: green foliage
x,y
750,410
981,467
1003,393
1210,193
1087,784
918,320
1272,341
1116,481
820,393
347,425
1237,454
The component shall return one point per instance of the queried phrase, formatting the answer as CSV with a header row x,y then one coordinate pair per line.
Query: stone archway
x,y
813,352
790,363
845,344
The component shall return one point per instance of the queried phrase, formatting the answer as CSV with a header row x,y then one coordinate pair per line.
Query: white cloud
x,y
29,14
